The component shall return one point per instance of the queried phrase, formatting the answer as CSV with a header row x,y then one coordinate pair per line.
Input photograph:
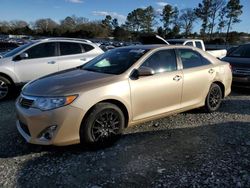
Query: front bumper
x,y
32,122
241,81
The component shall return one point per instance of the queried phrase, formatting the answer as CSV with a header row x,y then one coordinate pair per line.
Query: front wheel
x,y
214,98
103,126
5,87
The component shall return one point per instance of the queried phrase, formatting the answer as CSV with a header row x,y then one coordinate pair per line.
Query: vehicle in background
x,y
239,58
198,44
94,103
42,57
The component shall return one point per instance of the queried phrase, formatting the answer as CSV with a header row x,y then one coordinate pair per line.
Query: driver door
x,y
161,92
41,61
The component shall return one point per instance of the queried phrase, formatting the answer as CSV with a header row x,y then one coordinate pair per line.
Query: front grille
x,y
241,71
25,128
26,103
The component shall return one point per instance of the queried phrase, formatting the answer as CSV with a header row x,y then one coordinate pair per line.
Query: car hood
x,y
5,60
238,62
66,83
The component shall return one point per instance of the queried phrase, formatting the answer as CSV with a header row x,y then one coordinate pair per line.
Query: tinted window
x,y
70,48
162,61
115,61
42,50
198,45
241,51
189,44
191,59
87,47
175,42
17,50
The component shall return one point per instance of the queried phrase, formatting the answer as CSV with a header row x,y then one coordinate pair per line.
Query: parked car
x,y
43,57
198,44
92,104
155,39
239,58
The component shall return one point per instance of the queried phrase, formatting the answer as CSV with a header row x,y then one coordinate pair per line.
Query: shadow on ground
x,y
212,155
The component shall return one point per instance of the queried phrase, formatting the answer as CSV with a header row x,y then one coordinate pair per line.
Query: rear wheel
x,y
5,87
103,126
214,98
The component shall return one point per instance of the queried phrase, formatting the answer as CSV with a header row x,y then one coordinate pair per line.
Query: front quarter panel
x,y
7,68
119,91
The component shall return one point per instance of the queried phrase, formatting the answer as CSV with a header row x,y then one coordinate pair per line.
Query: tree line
x,y
217,17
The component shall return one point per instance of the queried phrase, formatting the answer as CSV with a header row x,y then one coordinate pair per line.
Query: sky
x,y
30,10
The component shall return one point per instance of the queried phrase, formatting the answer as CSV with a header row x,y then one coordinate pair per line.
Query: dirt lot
x,y
192,149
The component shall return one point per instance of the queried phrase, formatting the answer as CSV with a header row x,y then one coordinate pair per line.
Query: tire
x,y
213,99
97,131
5,88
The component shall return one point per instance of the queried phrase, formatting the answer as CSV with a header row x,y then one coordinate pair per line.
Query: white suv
x,y
43,57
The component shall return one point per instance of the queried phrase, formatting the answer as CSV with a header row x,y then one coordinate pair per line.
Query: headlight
x,y
49,103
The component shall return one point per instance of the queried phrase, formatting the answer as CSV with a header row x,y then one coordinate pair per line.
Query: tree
x,y
106,23
167,16
233,11
187,19
148,21
203,11
45,26
176,22
4,27
216,5
135,19
115,23
222,21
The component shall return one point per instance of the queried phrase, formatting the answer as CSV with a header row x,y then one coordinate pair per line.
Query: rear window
x,y
87,47
70,48
198,45
191,59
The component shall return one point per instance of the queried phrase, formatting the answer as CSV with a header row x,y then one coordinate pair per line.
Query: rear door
x,y
73,54
41,61
198,74
161,92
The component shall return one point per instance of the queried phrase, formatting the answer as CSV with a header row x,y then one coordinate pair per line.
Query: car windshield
x,y
115,61
17,50
241,52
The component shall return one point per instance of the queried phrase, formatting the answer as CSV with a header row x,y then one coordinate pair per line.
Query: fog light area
x,y
48,133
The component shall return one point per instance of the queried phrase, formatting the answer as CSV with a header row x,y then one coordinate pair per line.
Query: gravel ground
x,y
192,149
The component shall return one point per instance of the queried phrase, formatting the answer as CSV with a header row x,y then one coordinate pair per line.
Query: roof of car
x,y
153,46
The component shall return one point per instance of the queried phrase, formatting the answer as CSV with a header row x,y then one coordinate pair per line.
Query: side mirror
x,y
24,55
145,71
142,71
21,56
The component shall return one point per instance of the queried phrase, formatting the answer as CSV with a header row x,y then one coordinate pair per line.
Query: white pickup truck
x,y
198,44
155,39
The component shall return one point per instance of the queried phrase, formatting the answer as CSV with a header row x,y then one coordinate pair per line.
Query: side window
x,y
70,48
162,61
87,47
198,45
42,50
191,59
189,44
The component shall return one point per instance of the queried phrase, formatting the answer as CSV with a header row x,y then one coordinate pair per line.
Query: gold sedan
x,y
94,103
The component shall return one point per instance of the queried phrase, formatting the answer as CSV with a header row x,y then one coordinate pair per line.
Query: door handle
x,y
83,59
177,78
51,62
211,71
